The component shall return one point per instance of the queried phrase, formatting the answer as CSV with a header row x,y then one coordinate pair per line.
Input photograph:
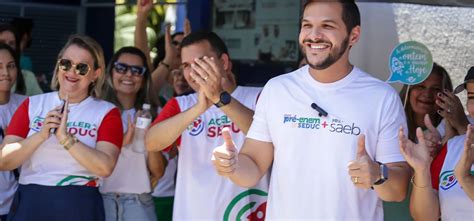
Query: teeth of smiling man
x,y
318,46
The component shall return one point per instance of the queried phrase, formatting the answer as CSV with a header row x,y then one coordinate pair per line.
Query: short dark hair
x,y
350,12
10,28
23,26
217,44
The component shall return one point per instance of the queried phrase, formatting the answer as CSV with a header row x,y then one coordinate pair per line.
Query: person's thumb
x,y
361,147
429,124
228,142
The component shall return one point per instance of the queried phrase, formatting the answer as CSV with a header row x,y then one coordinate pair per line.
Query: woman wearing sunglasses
x,y
9,101
126,192
64,148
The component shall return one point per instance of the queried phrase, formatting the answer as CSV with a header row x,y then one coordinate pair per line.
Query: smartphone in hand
x,y
63,104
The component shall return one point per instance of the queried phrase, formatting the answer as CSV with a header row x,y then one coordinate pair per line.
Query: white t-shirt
x,y
200,192
90,121
7,110
454,202
131,173
309,178
8,183
166,184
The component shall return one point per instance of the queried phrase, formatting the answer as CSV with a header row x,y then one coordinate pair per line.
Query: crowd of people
x,y
304,147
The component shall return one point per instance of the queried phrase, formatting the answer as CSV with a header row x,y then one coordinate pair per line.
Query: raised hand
x,y
364,172
452,111
144,7
128,137
61,132
417,155
51,122
172,56
203,102
224,157
432,137
463,167
208,74
187,27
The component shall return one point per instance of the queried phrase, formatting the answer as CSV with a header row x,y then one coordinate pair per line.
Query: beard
x,y
334,55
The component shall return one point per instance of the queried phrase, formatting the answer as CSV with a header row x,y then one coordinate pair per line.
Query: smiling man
x,y
329,130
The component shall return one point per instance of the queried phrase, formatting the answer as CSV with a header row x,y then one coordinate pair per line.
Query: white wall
x,y
379,36
447,31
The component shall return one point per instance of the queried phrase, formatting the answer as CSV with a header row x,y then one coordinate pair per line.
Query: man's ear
x,y
226,63
354,35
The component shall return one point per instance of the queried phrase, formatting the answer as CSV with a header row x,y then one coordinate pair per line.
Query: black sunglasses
x,y
80,68
122,68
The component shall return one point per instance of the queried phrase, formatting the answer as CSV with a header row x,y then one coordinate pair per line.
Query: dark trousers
x,y
51,203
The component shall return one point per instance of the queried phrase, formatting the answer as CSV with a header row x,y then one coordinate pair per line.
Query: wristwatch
x,y
383,174
224,99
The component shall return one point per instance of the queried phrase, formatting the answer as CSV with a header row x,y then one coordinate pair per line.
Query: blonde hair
x,y
89,44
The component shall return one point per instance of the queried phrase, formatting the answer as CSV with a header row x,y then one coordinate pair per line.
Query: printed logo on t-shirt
x,y
80,128
90,181
37,123
196,127
316,123
215,126
447,180
240,209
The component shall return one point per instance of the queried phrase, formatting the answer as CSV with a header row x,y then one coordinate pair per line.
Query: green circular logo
x,y
240,209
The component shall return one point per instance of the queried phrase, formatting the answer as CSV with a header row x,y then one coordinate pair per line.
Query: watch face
x,y
225,98
383,174
385,171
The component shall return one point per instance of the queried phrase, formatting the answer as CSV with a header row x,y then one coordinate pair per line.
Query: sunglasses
x,y
122,68
79,68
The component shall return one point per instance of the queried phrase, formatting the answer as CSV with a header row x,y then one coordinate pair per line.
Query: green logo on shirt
x,y
237,208
79,181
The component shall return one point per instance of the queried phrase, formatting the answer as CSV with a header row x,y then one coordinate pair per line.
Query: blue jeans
x,y
128,206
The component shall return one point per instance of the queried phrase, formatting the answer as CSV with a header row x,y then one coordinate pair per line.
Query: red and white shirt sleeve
x,y
20,122
169,110
109,131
